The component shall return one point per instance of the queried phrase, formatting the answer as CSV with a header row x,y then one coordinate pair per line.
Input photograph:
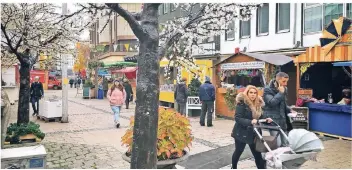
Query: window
x,y
282,17
230,32
245,29
166,8
172,7
349,10
161,9
263,19
332,11
312,18
317,16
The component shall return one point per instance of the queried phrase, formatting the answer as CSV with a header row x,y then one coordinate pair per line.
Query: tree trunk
x,y
144,148
24,94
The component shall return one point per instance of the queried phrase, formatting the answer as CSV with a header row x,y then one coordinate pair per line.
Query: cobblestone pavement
x,y
90,139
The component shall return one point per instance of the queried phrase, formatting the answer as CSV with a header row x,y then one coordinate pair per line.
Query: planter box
x,y
88,92
33,157
165,164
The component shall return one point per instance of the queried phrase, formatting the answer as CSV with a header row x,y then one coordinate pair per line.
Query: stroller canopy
x,y
302,140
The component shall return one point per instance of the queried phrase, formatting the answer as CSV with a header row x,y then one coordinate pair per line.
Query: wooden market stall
x,y
325,82
246,68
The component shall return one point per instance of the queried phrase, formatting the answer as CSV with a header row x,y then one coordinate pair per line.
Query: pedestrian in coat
x,y
71,82
37,93
207,97
79,81
248,112
117,97
180,95
275,105
129,92
105,86
75,82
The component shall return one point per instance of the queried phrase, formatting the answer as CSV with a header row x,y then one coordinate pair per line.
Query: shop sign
x,y
243,65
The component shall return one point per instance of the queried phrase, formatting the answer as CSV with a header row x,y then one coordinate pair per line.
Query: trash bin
x,y
100,94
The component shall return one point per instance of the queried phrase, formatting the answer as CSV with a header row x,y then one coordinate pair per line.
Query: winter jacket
x,y
207,92
116,97
276,107
37,89
128,89
243,129
181,93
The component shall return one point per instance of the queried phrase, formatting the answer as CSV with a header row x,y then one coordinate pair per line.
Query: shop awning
x,y
276,59
349,63
125,70
131,58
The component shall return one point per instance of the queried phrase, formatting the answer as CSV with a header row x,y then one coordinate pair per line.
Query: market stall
x,y
240,70
322,70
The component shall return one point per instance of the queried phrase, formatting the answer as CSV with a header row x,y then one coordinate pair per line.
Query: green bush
x,y
194,87
14,131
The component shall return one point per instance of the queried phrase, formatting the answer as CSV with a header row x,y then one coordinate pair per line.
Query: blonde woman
x,y
248,112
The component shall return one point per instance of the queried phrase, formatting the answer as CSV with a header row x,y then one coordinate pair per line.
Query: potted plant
x,y
193,91
174,136
16,133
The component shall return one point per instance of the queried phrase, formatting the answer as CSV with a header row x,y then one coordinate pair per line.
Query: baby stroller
x,y
303,146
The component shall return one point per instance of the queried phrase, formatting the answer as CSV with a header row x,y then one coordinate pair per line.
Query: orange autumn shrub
x,y
174,135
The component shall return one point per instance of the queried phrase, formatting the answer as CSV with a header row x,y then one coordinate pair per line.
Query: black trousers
x,y
35,100
259,161
207,109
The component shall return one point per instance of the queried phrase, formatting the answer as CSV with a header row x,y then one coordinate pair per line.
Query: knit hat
x,y
207,78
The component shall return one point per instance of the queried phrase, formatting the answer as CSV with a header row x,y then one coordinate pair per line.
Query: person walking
x,y
79,81
75,82
116,96
180,95
105,86
276,107
207,97
37,93
129,92
248,112
71,82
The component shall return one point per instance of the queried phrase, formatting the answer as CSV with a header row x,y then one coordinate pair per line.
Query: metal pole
x,y
64,82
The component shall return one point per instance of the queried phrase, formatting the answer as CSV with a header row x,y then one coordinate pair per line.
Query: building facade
x,y
116,40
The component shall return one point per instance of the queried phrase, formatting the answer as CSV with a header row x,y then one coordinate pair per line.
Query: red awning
x,y
125,70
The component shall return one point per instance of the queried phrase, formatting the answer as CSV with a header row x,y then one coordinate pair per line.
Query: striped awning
x,y
316,54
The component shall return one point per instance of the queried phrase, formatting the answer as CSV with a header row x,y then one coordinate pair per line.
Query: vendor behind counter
x,y
243,78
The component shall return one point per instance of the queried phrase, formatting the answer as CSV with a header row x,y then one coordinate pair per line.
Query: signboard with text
x,y
243,65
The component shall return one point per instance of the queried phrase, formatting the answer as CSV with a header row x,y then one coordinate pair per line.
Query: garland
x,y
230,98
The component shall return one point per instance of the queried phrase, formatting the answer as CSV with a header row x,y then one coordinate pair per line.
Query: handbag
x,y
270,140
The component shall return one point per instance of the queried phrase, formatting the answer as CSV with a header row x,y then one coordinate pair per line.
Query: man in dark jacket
x,y
207,97
37,93
275,104
181,94
129,92
105,86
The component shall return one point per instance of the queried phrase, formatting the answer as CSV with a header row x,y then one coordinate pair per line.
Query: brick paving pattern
x,y
91,141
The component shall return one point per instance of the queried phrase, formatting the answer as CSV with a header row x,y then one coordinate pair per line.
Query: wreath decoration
x,y
230,98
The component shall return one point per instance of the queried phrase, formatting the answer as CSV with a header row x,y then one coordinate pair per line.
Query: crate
x,y
302,119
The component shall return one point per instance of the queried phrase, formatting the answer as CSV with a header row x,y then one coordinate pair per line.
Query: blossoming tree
x,y
175,42
39,28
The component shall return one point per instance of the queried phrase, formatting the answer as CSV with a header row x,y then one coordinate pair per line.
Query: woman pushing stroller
x,y
248,112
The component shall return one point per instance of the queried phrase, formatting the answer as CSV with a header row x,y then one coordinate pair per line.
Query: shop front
x,y
240,70
324,74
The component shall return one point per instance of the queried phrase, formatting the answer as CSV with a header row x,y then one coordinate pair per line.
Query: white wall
x,y
272,41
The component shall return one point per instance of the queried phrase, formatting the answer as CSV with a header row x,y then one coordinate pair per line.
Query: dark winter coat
x,y
37,89
71,81
243,129
276,107
128,89
181,93
207,92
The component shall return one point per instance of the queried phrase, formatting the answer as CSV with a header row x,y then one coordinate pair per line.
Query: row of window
x,y
166,8
316,16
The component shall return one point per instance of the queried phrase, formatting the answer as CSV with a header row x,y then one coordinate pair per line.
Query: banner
x,y
243,65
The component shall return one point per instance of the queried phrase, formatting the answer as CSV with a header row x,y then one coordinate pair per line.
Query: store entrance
x,y
324,78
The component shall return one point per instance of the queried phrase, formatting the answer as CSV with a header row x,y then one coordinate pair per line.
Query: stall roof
x,y
125,70
276,59
348,63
